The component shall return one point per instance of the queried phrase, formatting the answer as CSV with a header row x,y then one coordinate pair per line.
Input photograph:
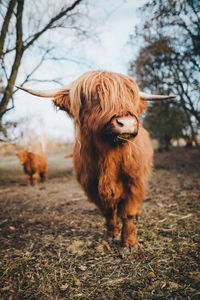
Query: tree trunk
x,y
6,24
8,91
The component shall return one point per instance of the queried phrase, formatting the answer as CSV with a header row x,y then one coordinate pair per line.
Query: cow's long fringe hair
x,y
114,91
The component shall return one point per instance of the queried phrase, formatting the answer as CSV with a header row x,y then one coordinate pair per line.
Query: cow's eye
x,y
82,99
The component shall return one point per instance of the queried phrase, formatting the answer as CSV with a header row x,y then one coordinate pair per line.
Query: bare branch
x,y
51,23
43,58
6,24
77,61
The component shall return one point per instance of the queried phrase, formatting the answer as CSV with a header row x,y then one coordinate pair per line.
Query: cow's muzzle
x,y
121,129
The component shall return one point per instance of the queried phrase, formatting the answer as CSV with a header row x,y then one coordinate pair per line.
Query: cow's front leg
x,y
112,222
29,180
129,210
129,232
34,178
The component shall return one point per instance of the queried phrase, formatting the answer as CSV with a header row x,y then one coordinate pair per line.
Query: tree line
x,y
168,62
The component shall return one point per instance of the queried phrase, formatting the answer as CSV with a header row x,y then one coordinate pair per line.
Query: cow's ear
x,y
62,100
142,107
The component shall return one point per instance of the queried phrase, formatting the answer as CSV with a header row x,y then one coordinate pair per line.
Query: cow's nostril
x,y
119,123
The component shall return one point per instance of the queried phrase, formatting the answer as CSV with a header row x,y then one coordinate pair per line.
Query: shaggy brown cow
x,y
34,164
112,151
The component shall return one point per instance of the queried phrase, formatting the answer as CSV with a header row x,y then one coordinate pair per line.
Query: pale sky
x,y
115,21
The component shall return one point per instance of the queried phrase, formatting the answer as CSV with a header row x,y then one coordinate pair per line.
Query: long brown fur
x,y
35,165
114,178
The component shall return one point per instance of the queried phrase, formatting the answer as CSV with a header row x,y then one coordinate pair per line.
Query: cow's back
x,y
35,163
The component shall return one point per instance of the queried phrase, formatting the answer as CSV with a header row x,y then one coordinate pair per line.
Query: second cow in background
x,y
35,165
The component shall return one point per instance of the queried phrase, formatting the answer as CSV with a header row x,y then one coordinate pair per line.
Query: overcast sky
x,y
115,21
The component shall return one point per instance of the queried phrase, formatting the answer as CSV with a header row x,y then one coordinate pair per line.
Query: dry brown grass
x,y
53,244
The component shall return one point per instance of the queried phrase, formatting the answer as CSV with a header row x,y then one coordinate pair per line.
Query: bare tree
x,y
31,25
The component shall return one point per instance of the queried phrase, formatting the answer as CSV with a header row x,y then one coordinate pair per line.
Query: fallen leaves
x,y
82,268
12,228
77,282
76,247
64,287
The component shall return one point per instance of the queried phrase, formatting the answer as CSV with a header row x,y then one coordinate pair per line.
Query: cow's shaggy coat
x,y
112,171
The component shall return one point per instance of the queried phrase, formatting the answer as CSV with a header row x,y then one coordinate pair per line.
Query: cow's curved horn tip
x,y
19,87
171,97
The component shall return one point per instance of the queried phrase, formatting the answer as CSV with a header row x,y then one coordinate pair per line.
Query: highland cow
x,y
35,165
112,151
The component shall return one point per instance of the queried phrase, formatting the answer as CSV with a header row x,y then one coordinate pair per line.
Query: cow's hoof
x,y
113,233
130,242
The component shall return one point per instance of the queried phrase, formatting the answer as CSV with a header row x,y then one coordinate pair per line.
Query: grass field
x,y
53,243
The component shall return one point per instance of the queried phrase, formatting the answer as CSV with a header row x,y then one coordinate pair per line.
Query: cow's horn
x,y
150,97
47,93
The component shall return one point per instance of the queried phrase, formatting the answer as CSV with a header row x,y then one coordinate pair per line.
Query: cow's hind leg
x,y
43,176
112,222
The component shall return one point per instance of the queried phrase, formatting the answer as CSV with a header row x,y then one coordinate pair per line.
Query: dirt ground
x,y
53,243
